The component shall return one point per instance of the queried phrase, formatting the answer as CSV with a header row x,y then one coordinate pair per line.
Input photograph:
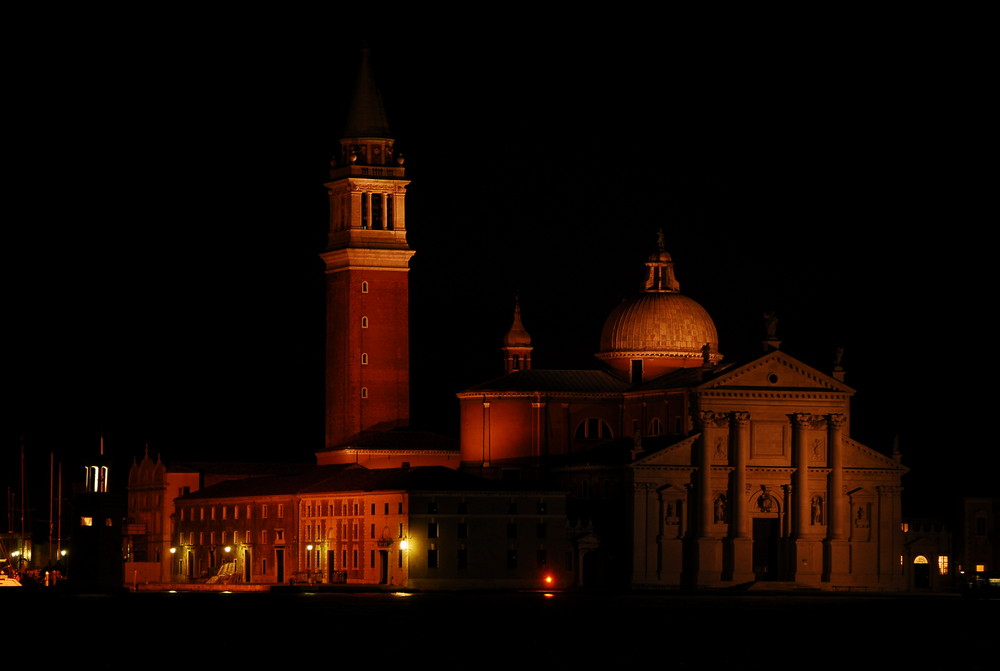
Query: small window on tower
x,y
364,359
364,322
364,287
364,392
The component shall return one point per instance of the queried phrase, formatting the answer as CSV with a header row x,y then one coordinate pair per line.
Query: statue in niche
x,y
720,508
817,454
817,510
764,502
861,517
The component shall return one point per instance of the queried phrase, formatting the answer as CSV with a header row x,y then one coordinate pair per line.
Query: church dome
x,y
658,330
659,324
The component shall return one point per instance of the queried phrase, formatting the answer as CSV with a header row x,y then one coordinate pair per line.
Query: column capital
x,y
714,419
740,417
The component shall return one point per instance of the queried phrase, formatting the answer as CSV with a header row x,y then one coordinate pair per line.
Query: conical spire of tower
x,y
366,117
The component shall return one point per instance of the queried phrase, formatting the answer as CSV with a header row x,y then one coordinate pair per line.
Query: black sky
x,y
168,210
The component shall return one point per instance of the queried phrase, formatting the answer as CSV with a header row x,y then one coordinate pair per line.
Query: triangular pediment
x,y
776,370
678,454
862,457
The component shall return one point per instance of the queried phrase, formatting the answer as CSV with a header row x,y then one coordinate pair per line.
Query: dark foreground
x,y
510,630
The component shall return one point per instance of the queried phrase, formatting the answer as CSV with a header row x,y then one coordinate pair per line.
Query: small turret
x,y
517,344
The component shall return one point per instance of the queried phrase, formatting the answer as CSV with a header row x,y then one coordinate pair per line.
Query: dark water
x,y
516,629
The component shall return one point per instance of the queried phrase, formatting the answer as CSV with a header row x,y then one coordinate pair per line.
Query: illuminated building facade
x,y
700,473
420,528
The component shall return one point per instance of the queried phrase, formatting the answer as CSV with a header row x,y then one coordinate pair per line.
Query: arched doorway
x,y
921,572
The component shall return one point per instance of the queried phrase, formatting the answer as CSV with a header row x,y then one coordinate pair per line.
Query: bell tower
x,y
367,261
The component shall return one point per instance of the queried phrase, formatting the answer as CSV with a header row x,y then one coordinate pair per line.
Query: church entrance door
x,y
765,548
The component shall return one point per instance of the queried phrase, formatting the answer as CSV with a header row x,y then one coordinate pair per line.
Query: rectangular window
x,y
224,509
236,512
212,513
511,558
542,558
263,536
248,511
542,530
463,558
463,529
373,531
432,530
386,508
400,530
263,511
512,530
281,510
541,507
372,559
943,564
399,509
432,507
432,558
354,563
463,507
373,509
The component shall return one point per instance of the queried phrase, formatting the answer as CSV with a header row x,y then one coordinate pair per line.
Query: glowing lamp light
x,y
62,553
173,550
227,549
404,544
548,580
309,547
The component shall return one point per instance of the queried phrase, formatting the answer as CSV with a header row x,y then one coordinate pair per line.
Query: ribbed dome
x,y
659,324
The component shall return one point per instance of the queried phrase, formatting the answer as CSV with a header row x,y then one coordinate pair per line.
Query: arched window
x,y
364,358
656,427
364,322
364,392
364,287
593,428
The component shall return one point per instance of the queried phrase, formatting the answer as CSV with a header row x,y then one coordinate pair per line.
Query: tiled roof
x,y
555,381
354,478
400,439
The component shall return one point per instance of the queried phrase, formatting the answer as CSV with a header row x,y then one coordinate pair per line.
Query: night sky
x,y
164,284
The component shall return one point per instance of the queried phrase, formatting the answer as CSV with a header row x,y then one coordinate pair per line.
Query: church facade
x,y
684,471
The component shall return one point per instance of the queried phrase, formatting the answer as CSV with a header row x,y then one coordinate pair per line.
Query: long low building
x,y
417,528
